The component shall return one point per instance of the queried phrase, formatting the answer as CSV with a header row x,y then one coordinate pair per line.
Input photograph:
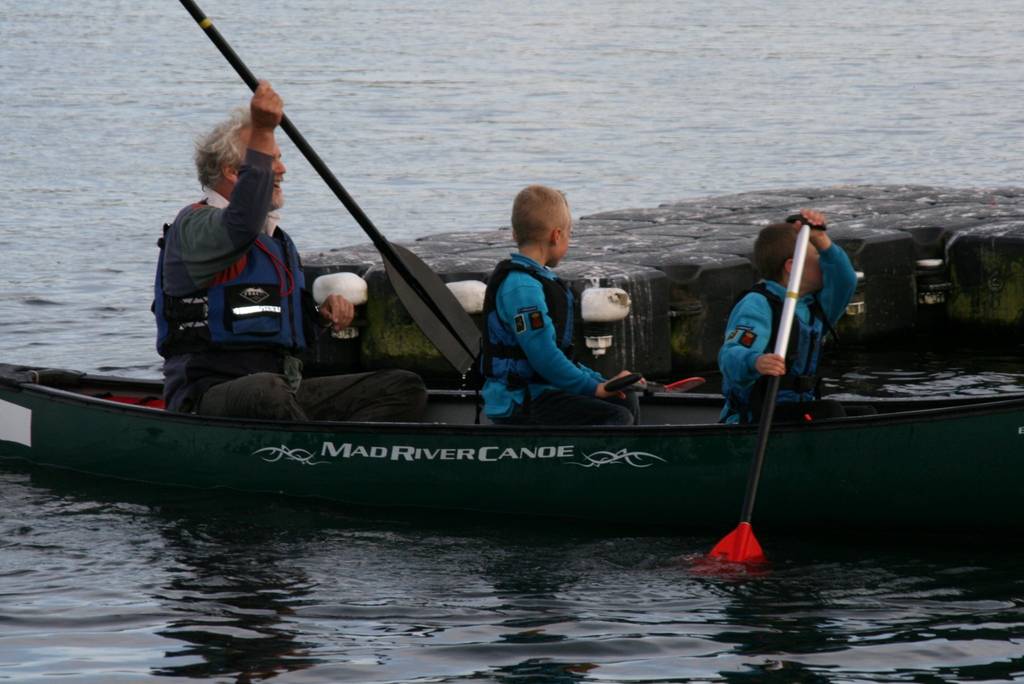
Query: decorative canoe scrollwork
x,y
275,454
635,459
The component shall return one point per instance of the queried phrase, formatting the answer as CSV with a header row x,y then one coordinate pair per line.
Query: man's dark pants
x,y
389,395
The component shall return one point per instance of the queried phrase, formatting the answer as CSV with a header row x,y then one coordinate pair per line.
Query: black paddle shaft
x,y
441,304
763,428
289,128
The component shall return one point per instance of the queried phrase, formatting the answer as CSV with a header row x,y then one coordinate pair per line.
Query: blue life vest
x,y
801,382
502,358
255,304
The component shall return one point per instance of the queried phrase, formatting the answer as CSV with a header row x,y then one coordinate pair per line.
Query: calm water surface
x,y
106,584
433,116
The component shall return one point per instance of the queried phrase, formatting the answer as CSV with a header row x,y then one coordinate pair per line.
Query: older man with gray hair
x,y
231,306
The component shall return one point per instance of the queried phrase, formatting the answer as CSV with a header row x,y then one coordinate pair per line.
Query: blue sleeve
x,y
598,378
839,280
521,297
746,338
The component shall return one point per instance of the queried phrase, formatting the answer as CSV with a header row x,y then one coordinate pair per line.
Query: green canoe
x,y
926,464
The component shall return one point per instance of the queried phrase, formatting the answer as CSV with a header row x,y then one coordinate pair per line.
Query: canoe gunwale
x,y
893,412
329,427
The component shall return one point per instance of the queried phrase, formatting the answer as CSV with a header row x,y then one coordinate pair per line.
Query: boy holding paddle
x,y
745,359
530,377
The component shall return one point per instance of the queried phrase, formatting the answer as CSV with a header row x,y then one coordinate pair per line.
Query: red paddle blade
x,y
739,546
684,385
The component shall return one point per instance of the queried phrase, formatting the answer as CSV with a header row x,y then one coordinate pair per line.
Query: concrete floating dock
x,y
930,260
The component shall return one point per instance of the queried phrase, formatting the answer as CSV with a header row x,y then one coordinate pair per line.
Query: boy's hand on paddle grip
x,y
816,220
770,364
602,391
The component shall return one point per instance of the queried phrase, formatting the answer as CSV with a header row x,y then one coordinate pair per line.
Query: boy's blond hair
x,y
536,210
774,245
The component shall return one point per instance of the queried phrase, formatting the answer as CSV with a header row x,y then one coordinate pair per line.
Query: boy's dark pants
x,y
555,407
380,396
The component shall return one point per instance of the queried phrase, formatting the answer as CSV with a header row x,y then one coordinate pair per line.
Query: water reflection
x,y
931,370
244,588
875,610
540,671
221,568
234,595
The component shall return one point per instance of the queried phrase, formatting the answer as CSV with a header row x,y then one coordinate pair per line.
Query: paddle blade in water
x,y
739,546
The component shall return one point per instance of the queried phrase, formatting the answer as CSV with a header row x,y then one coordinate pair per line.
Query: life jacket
x,y
254,304
803,354
502,358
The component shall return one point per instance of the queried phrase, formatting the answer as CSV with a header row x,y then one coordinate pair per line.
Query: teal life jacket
x,y
502,358
803,355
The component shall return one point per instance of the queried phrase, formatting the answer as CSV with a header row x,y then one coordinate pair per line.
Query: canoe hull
x,y
935,469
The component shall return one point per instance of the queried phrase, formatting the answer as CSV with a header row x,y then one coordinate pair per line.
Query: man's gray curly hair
x,y
221,147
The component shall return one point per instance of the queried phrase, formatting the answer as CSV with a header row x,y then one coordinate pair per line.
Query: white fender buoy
x,y
600,307
604,304
349,285
470,294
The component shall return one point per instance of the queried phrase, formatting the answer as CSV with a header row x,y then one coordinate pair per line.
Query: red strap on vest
x,y
280,267
231,272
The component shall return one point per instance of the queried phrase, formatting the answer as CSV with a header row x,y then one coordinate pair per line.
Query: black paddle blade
x,y
434,308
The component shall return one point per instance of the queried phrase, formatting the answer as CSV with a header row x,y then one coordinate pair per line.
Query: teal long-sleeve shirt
x,y
522,294
750,322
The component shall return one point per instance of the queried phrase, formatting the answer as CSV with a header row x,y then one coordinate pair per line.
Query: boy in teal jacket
x,y
746,358
530,377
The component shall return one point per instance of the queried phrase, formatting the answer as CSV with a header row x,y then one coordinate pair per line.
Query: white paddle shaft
x,y
792,291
